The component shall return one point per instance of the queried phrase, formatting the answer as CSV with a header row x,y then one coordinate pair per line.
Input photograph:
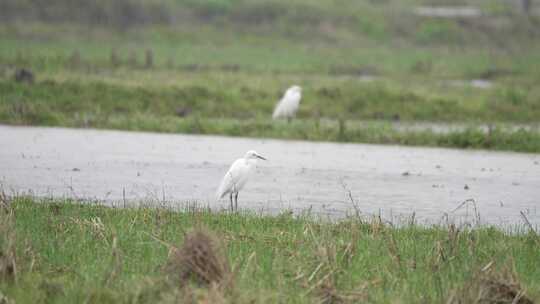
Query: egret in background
x,y
288,105
237,176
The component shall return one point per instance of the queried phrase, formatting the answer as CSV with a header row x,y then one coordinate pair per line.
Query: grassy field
x,y
340,110
63,252
220,66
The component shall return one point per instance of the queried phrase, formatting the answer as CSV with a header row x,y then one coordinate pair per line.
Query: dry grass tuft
x,y
327,293
5,201
5,300
8,263
331,259
200,260
16,254
490,287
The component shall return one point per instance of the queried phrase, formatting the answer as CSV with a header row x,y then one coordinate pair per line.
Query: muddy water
x,y
394,181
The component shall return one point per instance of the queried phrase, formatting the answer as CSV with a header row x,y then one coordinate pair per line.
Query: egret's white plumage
x,y
237,176
288,105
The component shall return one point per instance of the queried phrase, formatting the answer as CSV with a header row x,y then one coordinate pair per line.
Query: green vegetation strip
x,y
328,113
63,252
40,102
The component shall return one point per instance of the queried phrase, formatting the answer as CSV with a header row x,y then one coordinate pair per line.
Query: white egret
x,y
237,176
288,105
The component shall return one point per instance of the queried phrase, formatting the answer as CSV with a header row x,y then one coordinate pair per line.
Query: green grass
x,y
339,99
240,105
72,253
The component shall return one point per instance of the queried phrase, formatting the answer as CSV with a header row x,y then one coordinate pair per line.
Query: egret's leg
x,y
236,201
230,197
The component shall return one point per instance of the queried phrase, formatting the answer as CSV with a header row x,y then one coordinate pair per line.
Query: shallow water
x,y
393,181
448,11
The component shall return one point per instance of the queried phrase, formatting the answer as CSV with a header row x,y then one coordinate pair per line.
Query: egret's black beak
x,y
258,156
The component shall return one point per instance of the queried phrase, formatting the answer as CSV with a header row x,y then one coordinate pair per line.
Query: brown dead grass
x,y
5,201
16,253
201,260
8,264
321,282
327,293
491,287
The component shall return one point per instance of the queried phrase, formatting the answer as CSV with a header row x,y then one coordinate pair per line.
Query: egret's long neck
x,y
250,161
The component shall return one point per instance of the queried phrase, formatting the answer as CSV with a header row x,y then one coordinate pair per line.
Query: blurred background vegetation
x,y
95,63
